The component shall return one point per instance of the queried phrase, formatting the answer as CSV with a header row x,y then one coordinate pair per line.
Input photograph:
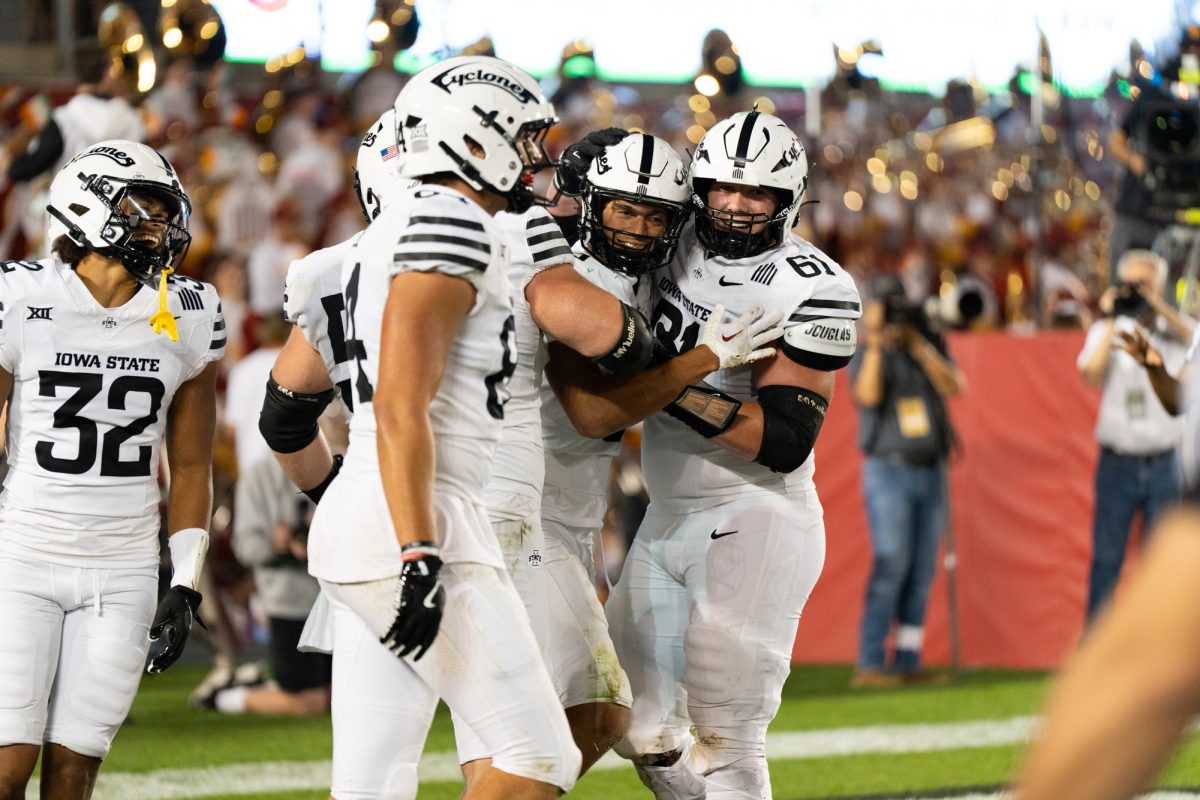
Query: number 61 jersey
x,y
819,303
91,391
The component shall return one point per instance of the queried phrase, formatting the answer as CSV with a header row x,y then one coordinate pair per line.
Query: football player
x,y
401,537
634,203
99,367
704,615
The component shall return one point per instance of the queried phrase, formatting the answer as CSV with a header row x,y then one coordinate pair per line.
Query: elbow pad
x,y
792,419
288,421
634,347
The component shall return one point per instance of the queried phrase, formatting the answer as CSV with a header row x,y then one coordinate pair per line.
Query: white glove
x,y
741,342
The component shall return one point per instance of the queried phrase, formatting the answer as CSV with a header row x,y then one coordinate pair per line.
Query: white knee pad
x,y
745,779
583,661
96,683
23,686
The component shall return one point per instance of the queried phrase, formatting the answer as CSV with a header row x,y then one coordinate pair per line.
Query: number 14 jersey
x,y
91,391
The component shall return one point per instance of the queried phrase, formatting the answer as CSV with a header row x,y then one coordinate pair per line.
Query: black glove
x,y
420,599
317,492
571,172
172,623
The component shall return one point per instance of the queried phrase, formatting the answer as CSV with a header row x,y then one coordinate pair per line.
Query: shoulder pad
x,y
824,343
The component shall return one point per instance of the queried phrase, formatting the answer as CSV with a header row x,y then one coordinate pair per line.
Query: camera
x,y
1130,302
898,311
1170,138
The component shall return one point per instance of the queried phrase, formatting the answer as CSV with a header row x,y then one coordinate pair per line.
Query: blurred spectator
x,y
267,266
228,274
100,110
1138,469
247,386
269,536
901,379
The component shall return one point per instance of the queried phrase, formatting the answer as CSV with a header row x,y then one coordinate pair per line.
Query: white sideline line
x,y
240,779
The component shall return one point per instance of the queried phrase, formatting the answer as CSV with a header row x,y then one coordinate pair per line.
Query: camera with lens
x,y
898,311
1130,302
1170,138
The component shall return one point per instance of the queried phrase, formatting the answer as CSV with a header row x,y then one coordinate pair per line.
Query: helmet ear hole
x,y
474,147
78,209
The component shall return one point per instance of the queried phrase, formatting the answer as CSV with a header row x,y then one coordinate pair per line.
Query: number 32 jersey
x,y
819,303
91,391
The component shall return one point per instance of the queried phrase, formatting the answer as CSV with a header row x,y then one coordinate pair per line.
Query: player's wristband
x,y
414,550
317,492
704,410
188,547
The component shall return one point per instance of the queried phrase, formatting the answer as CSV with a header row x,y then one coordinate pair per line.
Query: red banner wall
x,y
1021,496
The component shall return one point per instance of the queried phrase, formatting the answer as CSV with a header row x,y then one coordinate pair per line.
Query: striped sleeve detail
x,y
546,243
216,347
191,300
442,243
832,299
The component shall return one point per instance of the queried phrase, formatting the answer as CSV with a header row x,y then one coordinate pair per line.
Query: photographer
x,y
1138,468
900,381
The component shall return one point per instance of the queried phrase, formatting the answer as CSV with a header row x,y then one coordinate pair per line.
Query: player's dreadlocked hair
x,y
69,252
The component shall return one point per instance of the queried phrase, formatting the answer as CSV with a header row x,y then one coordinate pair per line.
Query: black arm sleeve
x,y
43,153
792,419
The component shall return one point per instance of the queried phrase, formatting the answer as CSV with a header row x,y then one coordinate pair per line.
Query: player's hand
x,y
741,342
420,599
570,174
172,623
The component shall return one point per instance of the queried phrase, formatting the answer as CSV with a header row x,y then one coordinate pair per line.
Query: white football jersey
x,y
577,467
426,228
91,389
819,302
312,299
532,243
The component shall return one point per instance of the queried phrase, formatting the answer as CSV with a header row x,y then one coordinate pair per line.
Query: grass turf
x,y
163,733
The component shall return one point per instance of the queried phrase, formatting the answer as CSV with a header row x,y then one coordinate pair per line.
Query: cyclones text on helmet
x,y
123,200
480,118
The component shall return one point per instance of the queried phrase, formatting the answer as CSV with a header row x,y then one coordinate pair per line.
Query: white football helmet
x,y
377,167
479,118
98,201
645,171
754,149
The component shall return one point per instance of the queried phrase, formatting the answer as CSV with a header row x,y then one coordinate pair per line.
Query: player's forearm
x,y
189,504
1141,658
404,440
309,466
608,403
744,436
1166,388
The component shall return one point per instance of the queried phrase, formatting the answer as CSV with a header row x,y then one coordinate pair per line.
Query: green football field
x,y
957,741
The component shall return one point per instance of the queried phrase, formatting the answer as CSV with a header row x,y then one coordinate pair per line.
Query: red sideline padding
x,y
1021,495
